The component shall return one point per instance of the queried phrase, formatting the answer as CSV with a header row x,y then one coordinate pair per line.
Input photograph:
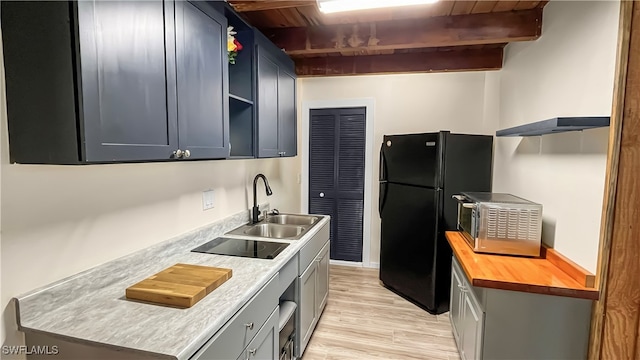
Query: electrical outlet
x,y
207,200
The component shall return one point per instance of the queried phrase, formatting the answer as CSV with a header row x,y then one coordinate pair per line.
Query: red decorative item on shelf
x,y
233,45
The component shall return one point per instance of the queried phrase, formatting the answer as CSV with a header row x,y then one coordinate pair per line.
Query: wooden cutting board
x,y
181,285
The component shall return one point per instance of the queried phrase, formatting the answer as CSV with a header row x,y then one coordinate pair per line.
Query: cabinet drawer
x,y
288,273
265,345
231,340
309,252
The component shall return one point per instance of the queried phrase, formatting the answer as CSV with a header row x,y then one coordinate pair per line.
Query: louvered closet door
x,y
336,176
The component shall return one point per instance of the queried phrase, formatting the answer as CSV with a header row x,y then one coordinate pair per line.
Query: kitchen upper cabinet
x,y
287,129
107,81
267,105
127,71
202,67
276,111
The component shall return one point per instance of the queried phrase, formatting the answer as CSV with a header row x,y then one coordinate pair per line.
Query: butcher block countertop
x,y
550,274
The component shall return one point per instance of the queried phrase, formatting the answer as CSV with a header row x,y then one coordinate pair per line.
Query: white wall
x,y
407,104
569,71
60,220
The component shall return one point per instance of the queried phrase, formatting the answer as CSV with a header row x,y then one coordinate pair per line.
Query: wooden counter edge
x,y
587,293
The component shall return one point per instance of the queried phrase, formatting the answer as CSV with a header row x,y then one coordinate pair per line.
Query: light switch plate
x,y
207,200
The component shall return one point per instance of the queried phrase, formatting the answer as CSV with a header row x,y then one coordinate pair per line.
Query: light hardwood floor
x,y
364,320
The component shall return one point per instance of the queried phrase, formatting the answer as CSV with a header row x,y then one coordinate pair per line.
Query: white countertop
x,y
91,307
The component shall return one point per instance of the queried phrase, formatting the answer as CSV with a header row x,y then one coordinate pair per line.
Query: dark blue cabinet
x,y
128,81
276,111
268,79
203,123
107,81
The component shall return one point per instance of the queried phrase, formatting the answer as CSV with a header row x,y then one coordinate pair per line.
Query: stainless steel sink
x,y
288,219
275,231
283,226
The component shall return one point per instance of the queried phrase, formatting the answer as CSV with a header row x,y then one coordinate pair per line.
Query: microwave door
x,y
465,214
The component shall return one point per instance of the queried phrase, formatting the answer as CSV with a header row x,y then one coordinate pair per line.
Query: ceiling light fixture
x,y
333,6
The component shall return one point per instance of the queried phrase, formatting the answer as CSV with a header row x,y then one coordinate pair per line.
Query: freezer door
x,y
408,244
414,159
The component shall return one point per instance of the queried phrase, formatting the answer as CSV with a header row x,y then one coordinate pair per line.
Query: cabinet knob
x,y
462,288
321,194
249,325
252,352
187,154
178,154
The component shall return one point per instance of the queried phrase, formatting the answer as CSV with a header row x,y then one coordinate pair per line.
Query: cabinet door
x,y
472,327
287,125
455,308
322,285
267,113
202,67
265,345
127,52
308,309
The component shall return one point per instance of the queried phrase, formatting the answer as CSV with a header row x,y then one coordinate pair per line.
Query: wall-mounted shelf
x,y
556,125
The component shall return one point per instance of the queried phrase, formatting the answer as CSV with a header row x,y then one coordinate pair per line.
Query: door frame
x,y
615,317
369,105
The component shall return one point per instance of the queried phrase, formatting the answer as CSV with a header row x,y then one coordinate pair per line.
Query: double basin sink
x,y
283,226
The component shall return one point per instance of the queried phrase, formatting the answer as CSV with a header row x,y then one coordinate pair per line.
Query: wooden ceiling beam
x,y
261,5
435,61
445,31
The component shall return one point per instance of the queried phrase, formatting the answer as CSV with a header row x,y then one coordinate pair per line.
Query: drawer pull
x,y
249,325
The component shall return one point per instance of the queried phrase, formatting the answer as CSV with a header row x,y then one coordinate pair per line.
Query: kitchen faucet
x,y
255,211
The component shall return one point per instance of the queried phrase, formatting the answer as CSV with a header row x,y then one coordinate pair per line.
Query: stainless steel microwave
x,y
500,223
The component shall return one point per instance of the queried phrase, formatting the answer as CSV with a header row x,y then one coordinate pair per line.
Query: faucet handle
x,y
274,212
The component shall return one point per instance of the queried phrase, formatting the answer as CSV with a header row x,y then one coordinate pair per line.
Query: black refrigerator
x,y
419,173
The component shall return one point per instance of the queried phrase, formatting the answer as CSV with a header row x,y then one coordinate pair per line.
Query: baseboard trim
x,y
345,263
354,264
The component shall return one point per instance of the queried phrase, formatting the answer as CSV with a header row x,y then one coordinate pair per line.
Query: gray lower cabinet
x,y
245,333
499,324
456,301
322,288
308,313
314,291
265,345
467,317
312,286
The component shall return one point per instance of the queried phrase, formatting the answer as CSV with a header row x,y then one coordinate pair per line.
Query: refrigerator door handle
x,y
382,197
382,176
383,181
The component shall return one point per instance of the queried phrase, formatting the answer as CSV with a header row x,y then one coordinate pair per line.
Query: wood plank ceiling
x,y
444,36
